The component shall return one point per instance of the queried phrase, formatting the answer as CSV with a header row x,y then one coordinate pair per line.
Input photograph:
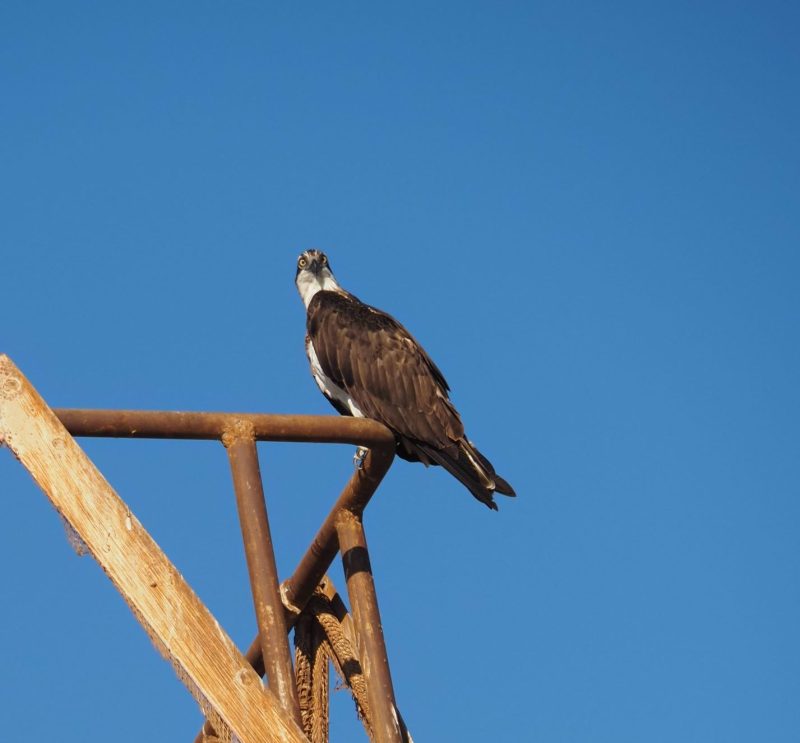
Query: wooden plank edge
x,y
205,658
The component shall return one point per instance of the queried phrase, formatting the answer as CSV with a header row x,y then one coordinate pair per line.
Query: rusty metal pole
x,y
297,589
240,442
372,647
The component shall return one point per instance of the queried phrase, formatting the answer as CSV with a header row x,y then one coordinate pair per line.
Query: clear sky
x,y
588,213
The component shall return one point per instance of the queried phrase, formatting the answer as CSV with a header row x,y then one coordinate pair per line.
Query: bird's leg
x,y
360,456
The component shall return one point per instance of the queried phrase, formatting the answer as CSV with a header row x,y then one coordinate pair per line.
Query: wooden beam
x,y
205,659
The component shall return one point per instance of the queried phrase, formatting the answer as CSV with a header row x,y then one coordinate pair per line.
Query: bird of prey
x,y
369,366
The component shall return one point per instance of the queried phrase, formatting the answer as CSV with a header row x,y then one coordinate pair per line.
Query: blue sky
x,y
588,214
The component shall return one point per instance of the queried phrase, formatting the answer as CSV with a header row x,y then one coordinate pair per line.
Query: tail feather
x,y
469,467
500,485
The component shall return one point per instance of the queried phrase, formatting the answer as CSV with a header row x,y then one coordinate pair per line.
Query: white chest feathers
x,y
330,389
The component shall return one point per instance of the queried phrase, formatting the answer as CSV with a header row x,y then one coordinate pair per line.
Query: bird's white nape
x,y
309,283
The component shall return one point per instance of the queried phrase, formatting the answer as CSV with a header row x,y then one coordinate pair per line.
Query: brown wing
x,y
384,370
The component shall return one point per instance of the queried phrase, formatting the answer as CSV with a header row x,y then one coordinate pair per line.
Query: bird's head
x,y
313,275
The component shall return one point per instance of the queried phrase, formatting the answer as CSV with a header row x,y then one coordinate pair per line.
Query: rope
x,y
320,698
303,667
321,636
311,655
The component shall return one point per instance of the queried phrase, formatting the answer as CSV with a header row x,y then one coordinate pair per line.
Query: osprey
x,y
369,366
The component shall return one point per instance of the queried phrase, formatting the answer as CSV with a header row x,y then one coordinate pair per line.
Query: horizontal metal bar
x,y
167,424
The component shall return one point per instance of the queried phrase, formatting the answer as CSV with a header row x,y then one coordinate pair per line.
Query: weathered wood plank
x,y
203,655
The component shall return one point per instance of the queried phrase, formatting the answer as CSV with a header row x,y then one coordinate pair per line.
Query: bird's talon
x,y
360,456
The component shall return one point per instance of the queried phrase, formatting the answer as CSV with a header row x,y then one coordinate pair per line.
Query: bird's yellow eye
x,y
324,260
302,262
